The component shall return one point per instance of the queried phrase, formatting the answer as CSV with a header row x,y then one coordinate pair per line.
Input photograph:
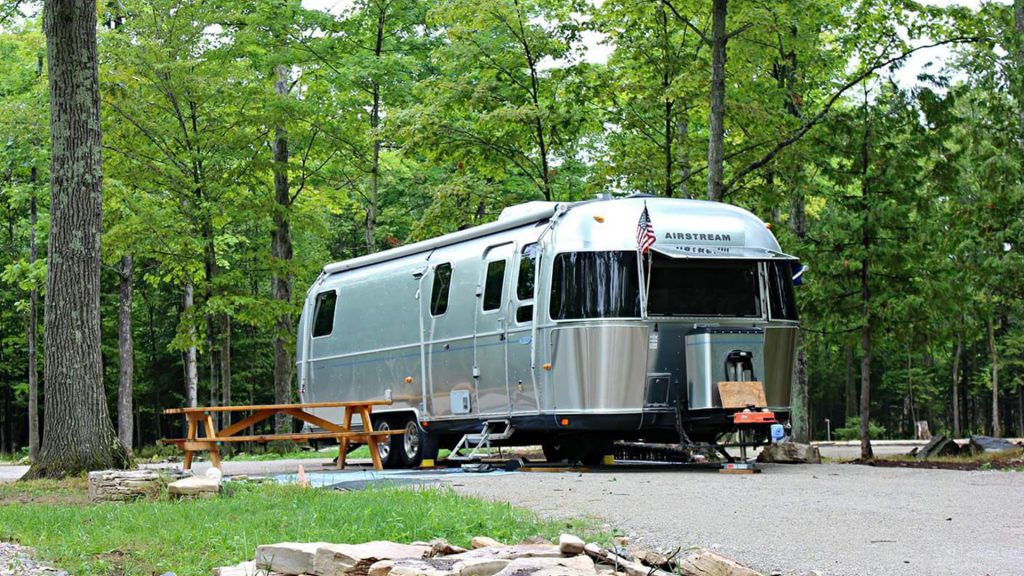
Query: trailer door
x,y
491,331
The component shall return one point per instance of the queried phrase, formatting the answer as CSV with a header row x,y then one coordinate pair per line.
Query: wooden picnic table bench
x,y
343,432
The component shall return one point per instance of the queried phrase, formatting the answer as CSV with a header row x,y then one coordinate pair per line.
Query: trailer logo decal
x,y
703,237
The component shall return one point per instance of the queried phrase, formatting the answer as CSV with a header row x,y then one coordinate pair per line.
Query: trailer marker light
x,y
547,366
565,421
408,379
599,219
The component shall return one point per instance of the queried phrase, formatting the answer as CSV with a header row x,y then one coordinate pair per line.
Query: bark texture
x,y
33,332
78,435
126,355
281,250
191,356
799,411
996,429
716,120
956,387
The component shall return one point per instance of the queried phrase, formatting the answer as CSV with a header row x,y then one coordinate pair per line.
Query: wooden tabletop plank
x,y
310,405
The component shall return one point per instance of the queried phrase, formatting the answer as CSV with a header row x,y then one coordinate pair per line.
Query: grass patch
x,y
1012,460
191,538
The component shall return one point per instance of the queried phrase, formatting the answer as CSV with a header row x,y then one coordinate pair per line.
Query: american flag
x,y
644,231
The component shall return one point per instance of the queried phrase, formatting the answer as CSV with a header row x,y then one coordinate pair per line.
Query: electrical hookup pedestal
x,y
746,423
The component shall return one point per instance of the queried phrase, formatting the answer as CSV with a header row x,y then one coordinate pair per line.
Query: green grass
x,y
191,537
982,458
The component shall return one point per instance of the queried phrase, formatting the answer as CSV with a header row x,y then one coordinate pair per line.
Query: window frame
x,y
316,311
530,302
483,294
760,291
550,285
433,285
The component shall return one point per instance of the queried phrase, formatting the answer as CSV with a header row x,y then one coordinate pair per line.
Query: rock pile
x,y
123,485
488,557
790,453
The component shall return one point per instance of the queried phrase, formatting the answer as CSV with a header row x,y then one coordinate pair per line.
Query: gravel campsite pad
x,y
17,560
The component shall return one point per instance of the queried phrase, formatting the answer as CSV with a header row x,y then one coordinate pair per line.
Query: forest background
x,y
247,143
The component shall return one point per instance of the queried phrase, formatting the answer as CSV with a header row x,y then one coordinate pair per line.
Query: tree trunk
x,y
281,251
799,415
78,435
1018,25
956,386
191,355
683,148
851,380
33,330
996,431
126,355
225,369
371,211
716,120
866,452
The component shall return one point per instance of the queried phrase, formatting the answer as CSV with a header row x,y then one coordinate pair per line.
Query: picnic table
x,y
343,432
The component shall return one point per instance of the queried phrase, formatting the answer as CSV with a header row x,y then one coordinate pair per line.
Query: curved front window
x,y
714,287
595,285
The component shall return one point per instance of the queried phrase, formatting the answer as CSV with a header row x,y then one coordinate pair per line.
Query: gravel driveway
x,y
842,519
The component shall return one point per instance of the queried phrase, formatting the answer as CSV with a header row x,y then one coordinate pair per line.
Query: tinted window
x,y
323,313
524,313
493,284
527,272
442,286
595,285
685,287
782,303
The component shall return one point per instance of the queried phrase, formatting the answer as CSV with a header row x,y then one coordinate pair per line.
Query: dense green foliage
x,y
193,537
406,119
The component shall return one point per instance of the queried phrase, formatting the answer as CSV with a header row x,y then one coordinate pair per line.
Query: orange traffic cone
x,y
302,479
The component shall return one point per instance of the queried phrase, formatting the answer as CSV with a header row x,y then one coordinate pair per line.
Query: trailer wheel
x,y
553,451
417,444
390,448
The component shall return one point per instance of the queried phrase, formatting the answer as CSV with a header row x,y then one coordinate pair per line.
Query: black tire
x,y
554,451
416,444
390,447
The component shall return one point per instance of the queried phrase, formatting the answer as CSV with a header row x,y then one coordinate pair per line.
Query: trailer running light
x,y
598,219
547,366
565,421
408,379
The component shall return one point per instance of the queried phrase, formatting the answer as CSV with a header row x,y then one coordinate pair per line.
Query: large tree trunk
x,y
126,355
799,410
956,386
33,330
996,431
716,120
78,435
225,369
1018,25
683,148
281,251
191,354
866,452
851,380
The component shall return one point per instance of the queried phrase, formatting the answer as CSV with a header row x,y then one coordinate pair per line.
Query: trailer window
x,y
686,287
323,313
439,291
781,301
525,282
595,285
494,284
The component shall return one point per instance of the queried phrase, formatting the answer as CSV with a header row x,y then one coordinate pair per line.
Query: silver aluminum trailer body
x,y
551,320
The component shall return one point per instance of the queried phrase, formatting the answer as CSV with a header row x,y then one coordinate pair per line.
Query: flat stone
x,y
511,552
571,566
441,547
411,567
484,542
982,444
123,485
570,545
479,566
242,569
200,486
288,557
649,557
356,559
708,563
535,540
790,453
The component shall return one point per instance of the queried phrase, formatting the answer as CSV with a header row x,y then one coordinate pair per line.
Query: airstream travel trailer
x,y
550,326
